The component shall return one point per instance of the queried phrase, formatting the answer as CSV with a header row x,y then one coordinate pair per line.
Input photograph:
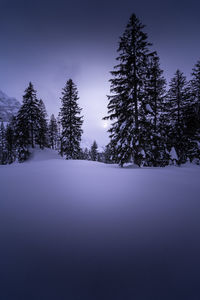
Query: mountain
x,y
8,107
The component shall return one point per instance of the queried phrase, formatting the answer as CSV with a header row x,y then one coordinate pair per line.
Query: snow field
x,y
136,228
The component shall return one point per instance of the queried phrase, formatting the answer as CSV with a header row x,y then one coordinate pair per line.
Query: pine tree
x,y
3,154
86,155
192,133
28,115
109,154
128,92
164,137
195,83
71,122
156,91
11,141
100,156
27,123
192,116
22,138
41,136
178,99
59,140
154,107
53,132
94,151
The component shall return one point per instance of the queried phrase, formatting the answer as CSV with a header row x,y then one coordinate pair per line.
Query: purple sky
x,y
48,42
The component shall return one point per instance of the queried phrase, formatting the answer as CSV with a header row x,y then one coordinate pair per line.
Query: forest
x,y
152,123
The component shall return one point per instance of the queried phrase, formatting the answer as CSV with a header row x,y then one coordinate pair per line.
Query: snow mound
x,y
38,154
86,230
173,154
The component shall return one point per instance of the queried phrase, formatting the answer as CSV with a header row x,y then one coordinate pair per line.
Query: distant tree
x,y
71,122
86,154
100,157
125,107
53,132
94,151
110,154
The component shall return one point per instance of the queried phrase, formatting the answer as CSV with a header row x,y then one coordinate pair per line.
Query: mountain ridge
x,y
9,107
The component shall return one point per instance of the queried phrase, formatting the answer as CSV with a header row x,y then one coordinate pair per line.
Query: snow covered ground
x,y
86,230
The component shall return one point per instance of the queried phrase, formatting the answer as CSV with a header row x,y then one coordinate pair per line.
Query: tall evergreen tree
x,y
195,83
29,115
178,99
128,93
192,116
41,136
154,107
27,123
71,122
10,141
3,154
53,132
59,126
156,91
22,138
195,87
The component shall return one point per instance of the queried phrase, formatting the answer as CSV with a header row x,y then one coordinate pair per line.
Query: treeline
x,y
30,128
27,129
151,125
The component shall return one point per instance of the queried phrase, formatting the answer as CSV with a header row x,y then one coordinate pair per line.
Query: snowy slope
x,y
86,230
8,107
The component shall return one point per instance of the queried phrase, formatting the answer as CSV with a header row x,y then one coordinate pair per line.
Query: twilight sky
x,y
49,41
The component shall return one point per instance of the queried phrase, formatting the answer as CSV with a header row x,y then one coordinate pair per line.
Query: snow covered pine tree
x,y
42,134
128,89
3,155
193,116
53,132
71,122
11,141
178,99
154,107
27,123
94,152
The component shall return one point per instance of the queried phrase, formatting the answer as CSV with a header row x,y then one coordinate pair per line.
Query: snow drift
x,y
86,230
